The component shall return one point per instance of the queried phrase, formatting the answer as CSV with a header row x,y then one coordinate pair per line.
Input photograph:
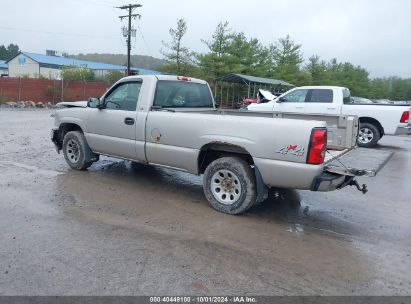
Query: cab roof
x,y
320,87
165,77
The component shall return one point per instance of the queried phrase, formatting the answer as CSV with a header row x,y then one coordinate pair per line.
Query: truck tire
x,y
368,135
229,185
76,151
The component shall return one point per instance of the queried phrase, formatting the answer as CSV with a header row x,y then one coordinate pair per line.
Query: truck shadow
x,y
122,184
286,207
280,202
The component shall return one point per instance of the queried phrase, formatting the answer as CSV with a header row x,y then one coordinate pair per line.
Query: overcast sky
x,y
373,34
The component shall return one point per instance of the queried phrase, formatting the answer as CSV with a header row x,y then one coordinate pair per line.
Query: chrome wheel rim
x,y
73,151
226,187
365,135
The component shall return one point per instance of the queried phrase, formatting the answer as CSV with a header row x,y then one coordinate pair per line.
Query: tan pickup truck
x,y
172,121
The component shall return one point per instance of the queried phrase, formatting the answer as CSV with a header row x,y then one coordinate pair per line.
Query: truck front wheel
x,y
368,135
229,185
76,151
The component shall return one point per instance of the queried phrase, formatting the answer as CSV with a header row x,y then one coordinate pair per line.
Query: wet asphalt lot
x,y
119,229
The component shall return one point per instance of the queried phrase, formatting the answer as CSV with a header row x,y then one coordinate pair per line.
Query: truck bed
x,y
341,129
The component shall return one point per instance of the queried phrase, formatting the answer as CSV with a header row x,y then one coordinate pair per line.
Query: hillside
x,y
141,61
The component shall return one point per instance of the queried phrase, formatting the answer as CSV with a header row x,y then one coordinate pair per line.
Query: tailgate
x,y
357,162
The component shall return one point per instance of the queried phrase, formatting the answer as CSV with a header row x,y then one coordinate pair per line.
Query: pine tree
x,y
286,59
215,62
178,56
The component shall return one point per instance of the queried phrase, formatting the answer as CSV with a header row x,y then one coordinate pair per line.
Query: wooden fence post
x,y
19,90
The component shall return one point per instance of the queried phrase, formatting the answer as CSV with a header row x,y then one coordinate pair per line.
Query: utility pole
x,y
129,31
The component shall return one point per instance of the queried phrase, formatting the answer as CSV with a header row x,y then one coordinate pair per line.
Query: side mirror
x,y
282,99
94,102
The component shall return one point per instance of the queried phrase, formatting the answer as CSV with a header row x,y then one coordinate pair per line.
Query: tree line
x,y
7,52
137,61
229,51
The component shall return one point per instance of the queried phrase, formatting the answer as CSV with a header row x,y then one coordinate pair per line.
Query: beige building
x,y
32,65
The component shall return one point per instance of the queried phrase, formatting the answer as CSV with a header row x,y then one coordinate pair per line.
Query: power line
x,y
56,33
99,3
144,40
103,3
129,31
110,2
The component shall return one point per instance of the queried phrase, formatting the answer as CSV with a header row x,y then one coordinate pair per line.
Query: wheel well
x,y
374,122
213,151
67,127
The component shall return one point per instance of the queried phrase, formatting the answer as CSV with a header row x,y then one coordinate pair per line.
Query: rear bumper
x,y
329,182
405,130
299,176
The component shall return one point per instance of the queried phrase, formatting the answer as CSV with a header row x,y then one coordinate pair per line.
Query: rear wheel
x,y
368,135
229,185
76,151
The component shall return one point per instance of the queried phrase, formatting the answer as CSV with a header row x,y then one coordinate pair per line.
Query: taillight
x,y
318,146
183,78
405,117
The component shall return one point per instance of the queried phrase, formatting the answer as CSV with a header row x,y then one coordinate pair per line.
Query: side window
x,y
123,97
295,96
179,94
347,96
321,95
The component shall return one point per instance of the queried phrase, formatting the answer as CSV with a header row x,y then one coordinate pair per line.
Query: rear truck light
x,y
405,117
183,78
317,147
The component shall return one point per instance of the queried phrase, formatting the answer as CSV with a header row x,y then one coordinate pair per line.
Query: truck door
x,y
321,101
293,101
172,133
112,129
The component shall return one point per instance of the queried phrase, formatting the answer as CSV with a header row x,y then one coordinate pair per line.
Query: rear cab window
x,y
182,94
346,96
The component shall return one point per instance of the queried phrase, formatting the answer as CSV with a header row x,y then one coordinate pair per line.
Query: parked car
x,y
376,120
172,121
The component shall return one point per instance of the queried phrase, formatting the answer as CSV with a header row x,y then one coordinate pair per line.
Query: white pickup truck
x,y
375,120
172,121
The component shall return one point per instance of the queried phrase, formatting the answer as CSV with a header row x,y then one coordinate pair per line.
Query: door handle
x,y
129,121
299,107
330,108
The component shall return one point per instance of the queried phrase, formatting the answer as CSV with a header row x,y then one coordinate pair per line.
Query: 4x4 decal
x,y
292,149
